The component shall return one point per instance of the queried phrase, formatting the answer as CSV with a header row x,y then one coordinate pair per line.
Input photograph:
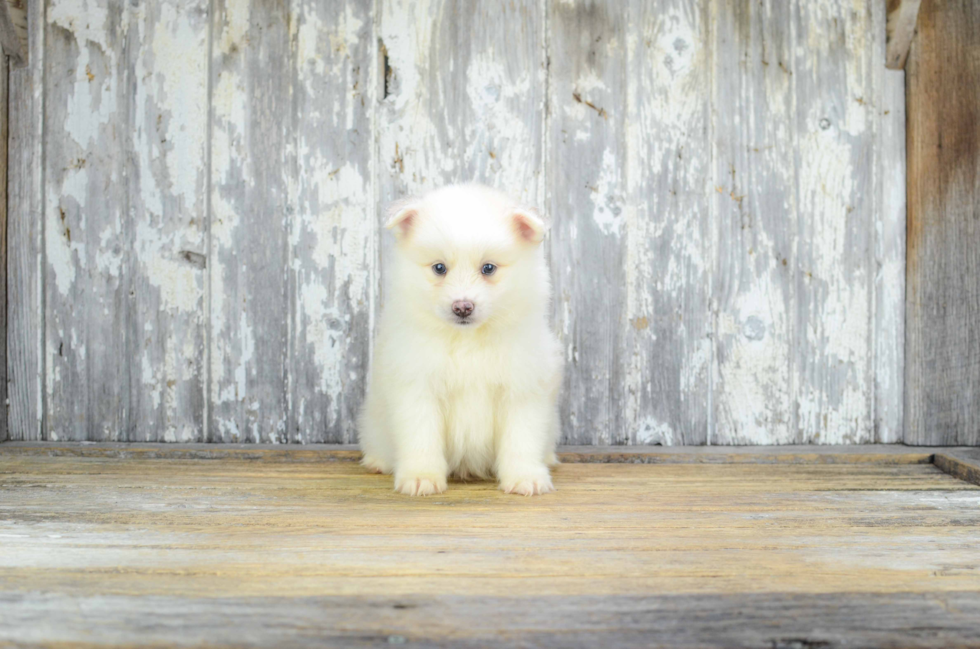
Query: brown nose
x,y
462,308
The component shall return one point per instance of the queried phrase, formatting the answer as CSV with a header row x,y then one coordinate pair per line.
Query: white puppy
x,y
466,370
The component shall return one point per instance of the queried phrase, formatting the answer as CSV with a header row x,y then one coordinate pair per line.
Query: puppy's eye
x,y
489,269
439,269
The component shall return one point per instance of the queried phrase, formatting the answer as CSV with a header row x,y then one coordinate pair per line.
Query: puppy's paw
x,y
420,484
375,465
531,484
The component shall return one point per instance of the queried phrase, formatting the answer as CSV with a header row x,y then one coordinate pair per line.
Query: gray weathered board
x,y
943,306
196,188
3,244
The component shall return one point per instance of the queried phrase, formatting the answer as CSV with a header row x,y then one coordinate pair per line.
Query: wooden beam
x,y
4,97
942,315
13,30
900,29
707,620
789,454
24,219
962,463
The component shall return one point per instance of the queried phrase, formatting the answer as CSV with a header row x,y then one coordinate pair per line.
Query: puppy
x,y
466,370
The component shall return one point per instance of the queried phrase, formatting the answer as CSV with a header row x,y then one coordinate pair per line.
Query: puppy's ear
x,y
402,217
528,224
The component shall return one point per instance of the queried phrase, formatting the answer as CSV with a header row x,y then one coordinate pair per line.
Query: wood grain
x,y
942,317
4,126
587,159
775,550
962,463
889,283
902,16
667,341
167,203
25,240
88,235
763,621
836,77
251,69
125,221
13,31
461,86
783,454
754,208
332,216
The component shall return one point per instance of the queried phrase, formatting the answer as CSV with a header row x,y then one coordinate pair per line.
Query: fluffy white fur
x,y
473,397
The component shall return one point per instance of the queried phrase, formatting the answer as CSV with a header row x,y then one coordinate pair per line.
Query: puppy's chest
x,y
474,366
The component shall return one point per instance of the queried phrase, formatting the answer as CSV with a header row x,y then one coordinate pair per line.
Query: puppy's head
x,y
468,256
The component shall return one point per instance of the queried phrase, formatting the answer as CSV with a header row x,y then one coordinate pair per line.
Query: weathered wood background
x,y
942,403
196,187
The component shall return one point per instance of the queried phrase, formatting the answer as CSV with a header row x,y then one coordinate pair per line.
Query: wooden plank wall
x,y
25,239
4,125
943,307
725,181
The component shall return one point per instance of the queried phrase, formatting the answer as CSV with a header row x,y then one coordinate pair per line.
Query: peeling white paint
x,y
890,256
651,431
607,201
235,29
776,346
756,408
834,393
325,329
58,249
92,102
499,125
182,87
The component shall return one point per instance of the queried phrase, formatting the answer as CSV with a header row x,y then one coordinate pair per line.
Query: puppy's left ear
x,y
528,224
402,216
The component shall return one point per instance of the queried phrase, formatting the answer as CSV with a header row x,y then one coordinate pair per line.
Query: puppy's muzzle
x,y
462,308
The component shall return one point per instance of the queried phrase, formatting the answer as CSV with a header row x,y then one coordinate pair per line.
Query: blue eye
x,y
439,269
489,269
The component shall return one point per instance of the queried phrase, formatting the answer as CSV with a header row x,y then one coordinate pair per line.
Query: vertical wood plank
x,y
890,269
25,324
755,215
461,86
4,96
902,16
13,31
125,209
668,344
942,352
89,282
167,215
333,228
249,223
586,180
837,70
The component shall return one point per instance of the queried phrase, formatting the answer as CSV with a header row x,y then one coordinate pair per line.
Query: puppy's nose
x,y
462,308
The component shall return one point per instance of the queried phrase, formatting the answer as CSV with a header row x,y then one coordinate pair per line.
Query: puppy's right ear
x,y
528,224
402,217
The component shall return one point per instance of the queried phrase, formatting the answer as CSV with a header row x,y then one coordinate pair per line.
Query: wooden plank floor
x,y
113,551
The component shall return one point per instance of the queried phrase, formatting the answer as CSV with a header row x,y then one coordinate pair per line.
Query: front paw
x,y
375,464
530,483
420,484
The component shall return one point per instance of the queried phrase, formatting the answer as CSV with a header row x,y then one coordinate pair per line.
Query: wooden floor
x,y
134,547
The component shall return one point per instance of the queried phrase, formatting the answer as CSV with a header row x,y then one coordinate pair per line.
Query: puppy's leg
x,y
523,445
372,438
417,426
